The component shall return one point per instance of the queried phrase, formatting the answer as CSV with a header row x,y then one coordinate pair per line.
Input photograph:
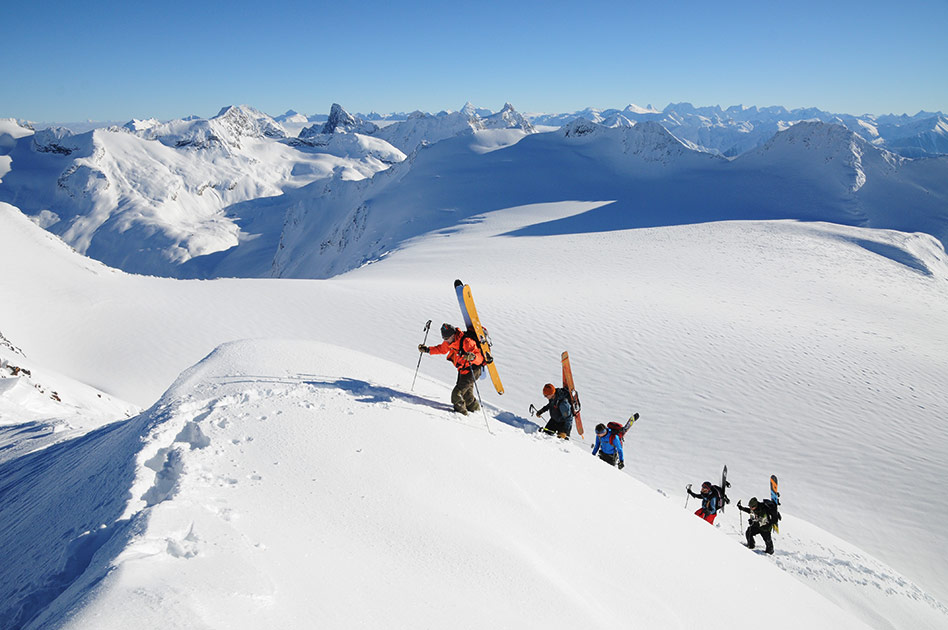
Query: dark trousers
x,y
462,396
764,532
609,459
559,426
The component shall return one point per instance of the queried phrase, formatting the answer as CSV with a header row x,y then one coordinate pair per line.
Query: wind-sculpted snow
x,y
276,483
811,171
813,351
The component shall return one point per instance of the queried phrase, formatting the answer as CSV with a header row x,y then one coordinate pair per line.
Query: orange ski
x,y
573,394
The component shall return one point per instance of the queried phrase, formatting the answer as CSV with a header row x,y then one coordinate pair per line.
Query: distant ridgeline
x,y
244,194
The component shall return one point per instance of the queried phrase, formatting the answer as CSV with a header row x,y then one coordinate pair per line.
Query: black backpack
x,y
563,394
773,514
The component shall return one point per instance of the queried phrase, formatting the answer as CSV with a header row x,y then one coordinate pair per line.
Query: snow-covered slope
x,y
150,197
280,484
812,351
811,171
231,196
39,407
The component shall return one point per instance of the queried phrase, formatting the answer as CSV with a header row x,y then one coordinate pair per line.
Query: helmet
x,y
548,389
706,485
600,429
753,503
447,331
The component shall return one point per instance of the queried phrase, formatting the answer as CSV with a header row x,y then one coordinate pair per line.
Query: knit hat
x,y
447,331
753,503
548,389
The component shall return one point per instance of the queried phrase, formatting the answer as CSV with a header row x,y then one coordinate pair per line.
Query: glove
x,y
621,465
470,356
422,348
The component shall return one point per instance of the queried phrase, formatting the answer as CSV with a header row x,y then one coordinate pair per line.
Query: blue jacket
x,y
709,500
609,443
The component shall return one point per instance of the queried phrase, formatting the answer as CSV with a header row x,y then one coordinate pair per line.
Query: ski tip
x,y
458,283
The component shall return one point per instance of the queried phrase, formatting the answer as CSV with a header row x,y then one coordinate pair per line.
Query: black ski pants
x,y
609,458
764,532
559,426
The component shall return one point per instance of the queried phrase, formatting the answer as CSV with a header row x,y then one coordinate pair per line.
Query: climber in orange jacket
x,y
466,355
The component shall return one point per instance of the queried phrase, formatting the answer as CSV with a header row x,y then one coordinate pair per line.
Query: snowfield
x,y
297,480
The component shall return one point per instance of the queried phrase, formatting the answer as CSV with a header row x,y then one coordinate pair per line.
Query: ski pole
x,y
421,354
687,496
481,403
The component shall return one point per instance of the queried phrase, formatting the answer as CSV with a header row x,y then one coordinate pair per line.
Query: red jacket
x,y
456,348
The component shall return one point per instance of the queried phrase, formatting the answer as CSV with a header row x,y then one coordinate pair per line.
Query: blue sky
x,y
73,61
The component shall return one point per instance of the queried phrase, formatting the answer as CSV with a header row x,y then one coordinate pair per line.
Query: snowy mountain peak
x,y
292,117
631,108
580,127
828,146
508,118
245,121
55,140
831,140
341,121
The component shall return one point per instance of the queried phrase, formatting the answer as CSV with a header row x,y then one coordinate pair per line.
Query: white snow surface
x,y
297,479
149,197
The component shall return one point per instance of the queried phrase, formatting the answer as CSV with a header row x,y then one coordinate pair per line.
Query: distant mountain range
x,y
247,194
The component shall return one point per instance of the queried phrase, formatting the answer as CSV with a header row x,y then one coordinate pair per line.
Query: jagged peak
x,y
508,118
341,121
239,110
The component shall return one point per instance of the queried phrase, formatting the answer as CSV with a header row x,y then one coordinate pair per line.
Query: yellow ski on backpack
x,y
466,301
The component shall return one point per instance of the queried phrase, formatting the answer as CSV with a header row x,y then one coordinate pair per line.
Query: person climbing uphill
x,y
763,517
561,411
609,446
710,501
464,352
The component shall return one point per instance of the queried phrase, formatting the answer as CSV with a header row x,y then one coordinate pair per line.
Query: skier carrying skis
x,y
561,411
609,446
710,501
762,519
466,356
